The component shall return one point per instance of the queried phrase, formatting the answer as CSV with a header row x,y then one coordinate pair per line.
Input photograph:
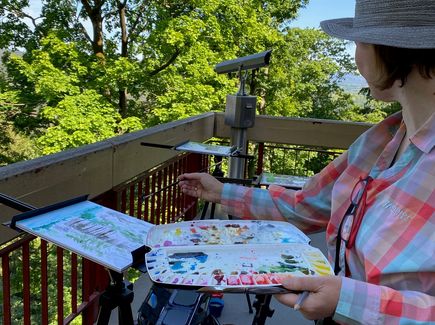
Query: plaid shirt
x,y
392,264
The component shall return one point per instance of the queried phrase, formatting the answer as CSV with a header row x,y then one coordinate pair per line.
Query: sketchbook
x,y
226,255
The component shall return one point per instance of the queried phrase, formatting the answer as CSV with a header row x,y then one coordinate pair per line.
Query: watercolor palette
x,y
225,232
234,266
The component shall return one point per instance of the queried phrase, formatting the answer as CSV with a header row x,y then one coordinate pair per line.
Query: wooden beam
x,y
307,132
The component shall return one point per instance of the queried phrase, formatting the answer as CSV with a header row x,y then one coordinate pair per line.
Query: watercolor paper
x,y
102,235
208,149
289,181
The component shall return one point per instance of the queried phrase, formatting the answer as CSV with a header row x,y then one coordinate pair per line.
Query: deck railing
x,y
119,174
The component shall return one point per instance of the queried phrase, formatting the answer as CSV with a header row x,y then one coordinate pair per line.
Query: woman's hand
x,y
323,297
201,185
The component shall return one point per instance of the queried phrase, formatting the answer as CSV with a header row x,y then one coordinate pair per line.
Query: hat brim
x,y
420,37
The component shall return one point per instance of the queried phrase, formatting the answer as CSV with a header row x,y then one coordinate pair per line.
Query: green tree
x,y
65,114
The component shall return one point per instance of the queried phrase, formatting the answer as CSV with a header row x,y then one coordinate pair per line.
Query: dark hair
x,y
397,63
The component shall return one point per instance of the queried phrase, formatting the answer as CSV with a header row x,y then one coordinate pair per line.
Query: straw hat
x,y
399,23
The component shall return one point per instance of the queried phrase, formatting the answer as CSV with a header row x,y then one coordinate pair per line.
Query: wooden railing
x,y
119,174
133,198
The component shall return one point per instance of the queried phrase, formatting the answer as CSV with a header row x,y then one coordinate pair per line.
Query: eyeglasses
x,y
351,222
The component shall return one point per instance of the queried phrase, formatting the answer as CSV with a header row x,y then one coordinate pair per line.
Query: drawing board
x,y
102,235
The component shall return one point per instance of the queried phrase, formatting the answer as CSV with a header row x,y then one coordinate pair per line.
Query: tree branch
x,y
167,64
87,6
84,32
140,10
21,14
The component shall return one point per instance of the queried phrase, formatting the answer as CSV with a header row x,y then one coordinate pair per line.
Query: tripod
x,y
118,294
262,309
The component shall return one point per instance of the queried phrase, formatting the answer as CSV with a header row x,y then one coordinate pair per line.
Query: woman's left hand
x,y
323,297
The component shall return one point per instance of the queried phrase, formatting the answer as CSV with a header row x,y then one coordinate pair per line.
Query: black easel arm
x,y
138,256
163,146
56,206
15,204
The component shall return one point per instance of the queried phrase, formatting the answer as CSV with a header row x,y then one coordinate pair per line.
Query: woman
x,y
377,200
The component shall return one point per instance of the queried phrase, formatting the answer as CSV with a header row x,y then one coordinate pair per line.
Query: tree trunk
x,y
124,53
96,16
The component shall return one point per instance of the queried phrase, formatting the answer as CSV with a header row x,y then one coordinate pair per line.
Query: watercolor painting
x,y
225,232
102,235
246,266
290,181
209,149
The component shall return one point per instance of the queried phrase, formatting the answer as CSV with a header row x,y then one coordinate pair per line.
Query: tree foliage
x,y
88,70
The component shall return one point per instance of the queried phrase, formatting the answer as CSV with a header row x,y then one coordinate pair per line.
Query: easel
x,y
119,293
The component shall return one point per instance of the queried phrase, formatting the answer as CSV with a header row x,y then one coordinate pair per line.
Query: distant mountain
x,y
353,83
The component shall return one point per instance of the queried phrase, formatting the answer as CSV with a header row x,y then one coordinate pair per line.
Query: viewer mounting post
x,y
240,108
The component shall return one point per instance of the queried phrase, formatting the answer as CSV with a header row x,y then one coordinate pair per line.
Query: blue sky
x,y
318,10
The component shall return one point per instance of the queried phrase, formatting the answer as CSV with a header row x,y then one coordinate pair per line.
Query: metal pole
x,y
237,165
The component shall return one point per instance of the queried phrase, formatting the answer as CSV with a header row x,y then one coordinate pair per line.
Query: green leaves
x,y
149,62
82,119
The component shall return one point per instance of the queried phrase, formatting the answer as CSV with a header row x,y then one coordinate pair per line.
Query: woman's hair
x,y
397,63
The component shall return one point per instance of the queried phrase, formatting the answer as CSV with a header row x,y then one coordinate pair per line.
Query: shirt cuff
x,y
359,303
232,199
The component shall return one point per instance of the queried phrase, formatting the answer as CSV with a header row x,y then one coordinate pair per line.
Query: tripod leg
x,y
125,315
105,311
118,294
204,210
248,299
213,207
262,308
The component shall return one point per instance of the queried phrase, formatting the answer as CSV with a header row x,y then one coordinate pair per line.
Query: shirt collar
x,y
424,138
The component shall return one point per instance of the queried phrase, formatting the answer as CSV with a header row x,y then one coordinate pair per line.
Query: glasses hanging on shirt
x,y
351,222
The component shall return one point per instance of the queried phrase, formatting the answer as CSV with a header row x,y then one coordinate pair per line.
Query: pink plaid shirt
x,y
392,264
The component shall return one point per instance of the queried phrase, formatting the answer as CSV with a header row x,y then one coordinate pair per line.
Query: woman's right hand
x,y
201,185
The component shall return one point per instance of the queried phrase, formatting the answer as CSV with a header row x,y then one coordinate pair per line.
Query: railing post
x,y
95,277
194,163
260,160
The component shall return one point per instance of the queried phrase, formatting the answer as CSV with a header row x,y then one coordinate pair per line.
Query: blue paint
x,y
202,258
177,265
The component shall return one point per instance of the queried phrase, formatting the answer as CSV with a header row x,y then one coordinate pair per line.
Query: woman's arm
x,y
309,209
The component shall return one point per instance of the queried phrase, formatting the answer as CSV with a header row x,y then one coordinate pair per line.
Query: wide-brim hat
x,y
399,23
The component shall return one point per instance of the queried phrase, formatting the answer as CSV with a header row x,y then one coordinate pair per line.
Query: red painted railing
x,y
27,261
